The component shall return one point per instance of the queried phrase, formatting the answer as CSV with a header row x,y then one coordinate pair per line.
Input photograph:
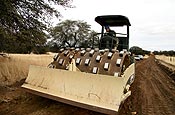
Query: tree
x,y
146,52
71,33
167,53
22,22
136,50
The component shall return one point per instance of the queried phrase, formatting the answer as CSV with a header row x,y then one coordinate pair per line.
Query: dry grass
x,y
168,59
16,67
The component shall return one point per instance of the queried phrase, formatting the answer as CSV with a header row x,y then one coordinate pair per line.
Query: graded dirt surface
x,y
153,93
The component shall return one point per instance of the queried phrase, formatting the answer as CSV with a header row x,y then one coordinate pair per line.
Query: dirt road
x,y
153,93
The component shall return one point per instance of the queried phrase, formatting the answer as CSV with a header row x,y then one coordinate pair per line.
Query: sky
x,y
152,21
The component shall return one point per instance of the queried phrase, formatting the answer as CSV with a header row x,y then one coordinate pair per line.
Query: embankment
x,y
167,59
167,63
15,67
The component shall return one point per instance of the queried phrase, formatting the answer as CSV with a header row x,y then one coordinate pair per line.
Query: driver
x,y
110,32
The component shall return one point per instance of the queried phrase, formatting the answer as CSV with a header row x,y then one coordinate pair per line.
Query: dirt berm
x,y
153,93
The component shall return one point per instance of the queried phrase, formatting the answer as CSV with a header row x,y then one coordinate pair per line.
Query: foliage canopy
x,y
71,33
22,23
138,51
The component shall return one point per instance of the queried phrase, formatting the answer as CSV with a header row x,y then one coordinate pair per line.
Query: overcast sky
x,y
152,21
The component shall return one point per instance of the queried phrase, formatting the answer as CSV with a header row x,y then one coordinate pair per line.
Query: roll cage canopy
x,y
112,20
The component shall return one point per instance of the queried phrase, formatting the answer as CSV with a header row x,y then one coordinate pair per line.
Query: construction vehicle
x,y
95,78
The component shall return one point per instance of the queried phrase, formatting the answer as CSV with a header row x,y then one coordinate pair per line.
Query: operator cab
x,y
121,40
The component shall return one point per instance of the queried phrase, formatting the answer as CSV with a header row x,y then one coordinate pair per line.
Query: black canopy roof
x,y
112,20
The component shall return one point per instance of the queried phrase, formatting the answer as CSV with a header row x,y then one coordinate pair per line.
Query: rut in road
x,y
153,90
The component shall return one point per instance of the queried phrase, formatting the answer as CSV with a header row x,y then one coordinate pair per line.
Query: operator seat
x,y
109,42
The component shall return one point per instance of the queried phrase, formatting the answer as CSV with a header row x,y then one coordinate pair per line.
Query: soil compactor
x,y
97,79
